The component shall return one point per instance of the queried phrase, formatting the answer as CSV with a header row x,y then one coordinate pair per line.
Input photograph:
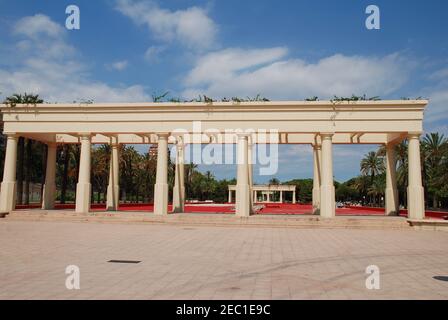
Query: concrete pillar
x,y
242,186
391,192
182,175
416,204
250,171
49,194
230,196
179,180
8,186
161,186
317,152
281,197
255,196
294,197
113,188
268,196
327,195
84,188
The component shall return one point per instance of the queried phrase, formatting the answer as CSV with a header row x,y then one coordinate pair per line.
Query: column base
x,y
327,202
49,197
242,201
178,202
83,192
161,199
113,196
391,205
182,199
416,203
316,201
7,197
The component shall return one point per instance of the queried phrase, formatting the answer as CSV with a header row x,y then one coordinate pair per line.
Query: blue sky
x,y
127,50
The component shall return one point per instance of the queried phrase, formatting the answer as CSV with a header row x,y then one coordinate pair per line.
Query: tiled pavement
x,y
189,262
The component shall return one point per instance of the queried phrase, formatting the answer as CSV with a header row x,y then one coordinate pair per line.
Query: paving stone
x,y
210,262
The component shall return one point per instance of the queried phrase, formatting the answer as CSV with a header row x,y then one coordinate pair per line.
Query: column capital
x,y
12,135
84,135
113,140
414,135
326,135
243,135
179,140
162,135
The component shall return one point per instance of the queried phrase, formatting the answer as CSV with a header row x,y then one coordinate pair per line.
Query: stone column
x,y
49,194
84,188
250,170
161,186
327,195
316,178
391,192
416,204
294,197
113,188
281,197
268,196
8,186
182,175
242,186
230,196
179,183
255,196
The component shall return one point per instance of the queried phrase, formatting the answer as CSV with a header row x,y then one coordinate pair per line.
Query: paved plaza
x,y
201,262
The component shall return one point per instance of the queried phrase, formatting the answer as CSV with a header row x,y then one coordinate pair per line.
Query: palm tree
x,y
100,170
376,190
372,165
209,184
190,169
361,185
433,150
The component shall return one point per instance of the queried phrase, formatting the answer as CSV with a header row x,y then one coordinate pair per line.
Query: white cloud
x,y
152,54
119,65
268,72
40,36
224,65
48,66
436,91
192,27
36,26
437,109
439,74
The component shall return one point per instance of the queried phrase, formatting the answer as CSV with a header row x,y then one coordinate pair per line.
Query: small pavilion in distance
x,y
267,191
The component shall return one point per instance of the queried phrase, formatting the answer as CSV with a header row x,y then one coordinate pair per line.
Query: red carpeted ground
x,y
272,208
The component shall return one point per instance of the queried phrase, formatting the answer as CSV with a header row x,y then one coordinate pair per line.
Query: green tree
x,y
433,152
372,165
